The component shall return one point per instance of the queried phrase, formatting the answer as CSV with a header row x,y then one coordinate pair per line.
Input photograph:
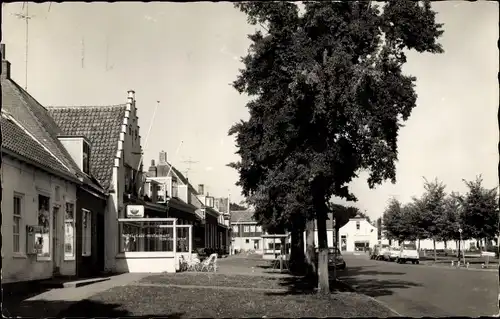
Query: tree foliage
x,y
234,206
479,211
438,216
432,206
398,221
328,97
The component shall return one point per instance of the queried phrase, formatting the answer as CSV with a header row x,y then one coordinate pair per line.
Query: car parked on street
x,y
379,250
408,252
334,259
391,254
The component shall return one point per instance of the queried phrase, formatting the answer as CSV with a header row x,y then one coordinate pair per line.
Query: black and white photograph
x,y
257,159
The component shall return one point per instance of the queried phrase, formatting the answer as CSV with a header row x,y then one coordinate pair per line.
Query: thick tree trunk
x,y
310,259
323,279
445,244
434,246
419,245
297,255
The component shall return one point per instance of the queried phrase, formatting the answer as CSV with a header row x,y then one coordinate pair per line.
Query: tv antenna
x,y
26,17
189,162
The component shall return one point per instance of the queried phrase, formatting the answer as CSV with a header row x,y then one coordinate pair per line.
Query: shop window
x,y
69,231
86,232
43,235
182,240
147,236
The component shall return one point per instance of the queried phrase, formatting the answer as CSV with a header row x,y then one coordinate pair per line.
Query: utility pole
x,y
189,162
26,17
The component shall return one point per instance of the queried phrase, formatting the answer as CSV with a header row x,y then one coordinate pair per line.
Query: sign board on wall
x,y
135,211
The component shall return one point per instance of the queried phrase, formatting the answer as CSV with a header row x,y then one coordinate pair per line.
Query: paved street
x,y
418,290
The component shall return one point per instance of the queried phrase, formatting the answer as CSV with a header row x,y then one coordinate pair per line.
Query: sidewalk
x,y
52,302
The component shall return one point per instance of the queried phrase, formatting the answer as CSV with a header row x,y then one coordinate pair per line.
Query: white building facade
x,y
33,197
357,235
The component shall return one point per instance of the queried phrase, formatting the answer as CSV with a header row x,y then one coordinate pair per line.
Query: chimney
x,y
201,189
153,172
5,63
131,95
163,158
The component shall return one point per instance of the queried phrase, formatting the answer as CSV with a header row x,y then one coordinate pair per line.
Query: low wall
x,y
146,262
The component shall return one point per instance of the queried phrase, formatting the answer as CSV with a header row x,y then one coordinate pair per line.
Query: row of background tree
x,y
438,215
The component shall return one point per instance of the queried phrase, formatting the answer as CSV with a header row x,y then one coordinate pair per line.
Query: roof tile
x,y
33,118
242,216
101,125
16,140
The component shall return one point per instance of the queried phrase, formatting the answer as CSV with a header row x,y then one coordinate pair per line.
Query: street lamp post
x,y
459,245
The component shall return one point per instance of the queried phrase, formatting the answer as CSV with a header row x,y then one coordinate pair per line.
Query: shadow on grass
x,y
13,295
379,283
85,308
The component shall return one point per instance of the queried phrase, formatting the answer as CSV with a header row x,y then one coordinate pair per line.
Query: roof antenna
x,y
189,162
26,17
146,141
176,152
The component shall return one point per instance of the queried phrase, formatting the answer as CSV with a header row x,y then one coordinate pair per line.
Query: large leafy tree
x,y
416,220
398,221
328,98
479,211
449,223
432,207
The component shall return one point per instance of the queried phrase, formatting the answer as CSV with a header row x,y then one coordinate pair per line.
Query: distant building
x,y
356,235
245,233
204,212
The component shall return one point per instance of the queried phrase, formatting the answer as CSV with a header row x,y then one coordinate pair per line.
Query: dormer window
x,y
86,157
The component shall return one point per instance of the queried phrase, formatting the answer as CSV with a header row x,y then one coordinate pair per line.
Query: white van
x,y
408,252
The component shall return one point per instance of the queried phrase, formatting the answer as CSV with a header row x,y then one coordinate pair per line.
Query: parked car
x,y
391,254
334,259
379,250
408,252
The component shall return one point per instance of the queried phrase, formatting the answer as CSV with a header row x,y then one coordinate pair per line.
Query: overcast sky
x,y
186,55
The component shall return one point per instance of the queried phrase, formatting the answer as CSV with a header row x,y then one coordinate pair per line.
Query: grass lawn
x,y
176,302
215,279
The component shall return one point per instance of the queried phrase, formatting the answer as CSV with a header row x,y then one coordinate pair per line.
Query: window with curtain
x,y
16,231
